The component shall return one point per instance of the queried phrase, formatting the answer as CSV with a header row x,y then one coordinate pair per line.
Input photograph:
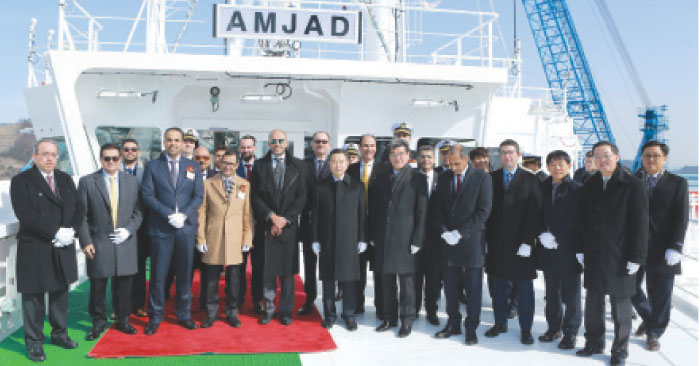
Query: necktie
x,y
173,173
651,181
508,178
605,182
131,171
427,177
49,179
319,168
554,190
365,181
248,169
113,200
277,173
459,183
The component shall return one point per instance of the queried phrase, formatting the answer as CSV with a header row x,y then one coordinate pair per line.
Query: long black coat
x,y
305,230
354,171
616,224
40,266
668,221
397,219
281,252
338,225
466,213
515,219
561,217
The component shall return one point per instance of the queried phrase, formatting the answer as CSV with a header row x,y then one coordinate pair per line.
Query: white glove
x,y
316,247
371,243
524,250
361,247
548,241
64,236
202,248
632,268
456,235
245,249
673,257
414,249
579,258
449,238
119,235
177,220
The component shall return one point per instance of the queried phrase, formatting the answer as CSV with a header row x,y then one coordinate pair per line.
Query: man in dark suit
x,y
132,165
428,258
316,169
108,238
49,211
338,236
582,174
246,151
560,229
511,232
366,171
172,190
461,207
615,218
279,194
668,222
398,212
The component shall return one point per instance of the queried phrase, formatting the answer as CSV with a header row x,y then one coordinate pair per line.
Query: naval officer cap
x,y
528,158
191,134
445,145
402,127
351,149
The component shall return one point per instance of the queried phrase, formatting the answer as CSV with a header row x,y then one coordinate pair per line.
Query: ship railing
x,y
89,35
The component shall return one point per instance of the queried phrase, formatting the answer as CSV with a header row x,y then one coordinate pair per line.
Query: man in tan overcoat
x,y
225,231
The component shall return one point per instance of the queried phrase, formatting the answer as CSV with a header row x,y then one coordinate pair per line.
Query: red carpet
x,y
304,335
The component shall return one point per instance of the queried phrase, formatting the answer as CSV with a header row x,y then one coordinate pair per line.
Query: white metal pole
x,y
61,23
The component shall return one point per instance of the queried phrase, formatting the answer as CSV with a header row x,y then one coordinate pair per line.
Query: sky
x,y
661,38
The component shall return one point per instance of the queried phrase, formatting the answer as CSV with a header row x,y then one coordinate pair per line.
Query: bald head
x,y
201,156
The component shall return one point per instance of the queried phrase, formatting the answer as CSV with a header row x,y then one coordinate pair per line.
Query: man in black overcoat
x,y
510,234
615,218
397,227
50,213
462,204
279,193
338,237
668,222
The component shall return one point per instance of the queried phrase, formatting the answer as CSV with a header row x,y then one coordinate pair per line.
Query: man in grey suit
x,y
108,238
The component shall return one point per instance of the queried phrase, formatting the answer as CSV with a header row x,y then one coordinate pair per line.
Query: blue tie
x,y
507,178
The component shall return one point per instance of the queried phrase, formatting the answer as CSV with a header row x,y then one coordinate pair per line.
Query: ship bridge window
x,y
149,138
214,137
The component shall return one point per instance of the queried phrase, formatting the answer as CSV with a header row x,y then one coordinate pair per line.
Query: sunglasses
x,y
321,142
128,149
277,141
200,157
113,159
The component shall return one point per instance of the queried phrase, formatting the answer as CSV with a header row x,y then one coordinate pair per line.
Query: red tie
x,y
459,183
247,172
49,178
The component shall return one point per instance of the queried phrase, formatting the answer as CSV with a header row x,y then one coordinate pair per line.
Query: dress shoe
x,y
447,331
286,319
526,338
641,330
125,327
36,354
496,330
470,339
568,342
208,322
404,331
433,319
233,321
188,324
151,328
64,342
94,333
549,336
588,351
385,326
653,343
328,323
350,324
258,307
265,318
305,309
617,361
140,313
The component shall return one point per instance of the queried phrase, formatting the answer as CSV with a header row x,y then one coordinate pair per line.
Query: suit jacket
x,y
139,170
431,242
668,220
110,259
225,221
338,225
240,171
398,210
40,266
581,175
561,217
616,222
467,213
354,170
161,197
311,181
281,252
514,220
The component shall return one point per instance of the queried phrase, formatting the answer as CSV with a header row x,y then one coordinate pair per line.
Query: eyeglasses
x,y
603,157
113,159
277,141
652,156
201,157
227,163
321,142
130,149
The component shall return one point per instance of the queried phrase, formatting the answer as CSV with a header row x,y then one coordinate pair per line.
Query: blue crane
x,y
566,68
